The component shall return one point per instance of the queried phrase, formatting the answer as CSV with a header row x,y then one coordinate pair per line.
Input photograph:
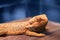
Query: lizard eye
x,y
39,20
30,23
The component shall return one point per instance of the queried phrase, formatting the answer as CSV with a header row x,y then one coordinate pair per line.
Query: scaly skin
x,y
30,27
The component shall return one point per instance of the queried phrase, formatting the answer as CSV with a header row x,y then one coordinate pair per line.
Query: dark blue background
x,y
19,9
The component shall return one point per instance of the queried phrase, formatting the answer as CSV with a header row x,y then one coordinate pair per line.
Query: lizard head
x,y
38,23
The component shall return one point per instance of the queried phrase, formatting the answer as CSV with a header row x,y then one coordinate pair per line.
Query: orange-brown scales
x,y
31,27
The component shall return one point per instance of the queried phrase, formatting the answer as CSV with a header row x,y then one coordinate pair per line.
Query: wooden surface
x,y
52,34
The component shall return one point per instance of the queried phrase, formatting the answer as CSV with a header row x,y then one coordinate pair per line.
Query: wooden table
x,y
52,34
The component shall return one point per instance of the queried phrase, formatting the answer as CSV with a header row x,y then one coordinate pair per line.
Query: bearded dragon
x,y
31,27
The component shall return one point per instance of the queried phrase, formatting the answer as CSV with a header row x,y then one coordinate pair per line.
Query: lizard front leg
x,y
31,33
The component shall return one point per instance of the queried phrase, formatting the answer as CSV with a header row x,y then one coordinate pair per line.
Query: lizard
x,y
31,27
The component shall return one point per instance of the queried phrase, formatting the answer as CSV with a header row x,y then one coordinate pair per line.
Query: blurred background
x,y
19,9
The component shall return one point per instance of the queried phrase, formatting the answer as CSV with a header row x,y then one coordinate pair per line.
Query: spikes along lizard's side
x,y
30,27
